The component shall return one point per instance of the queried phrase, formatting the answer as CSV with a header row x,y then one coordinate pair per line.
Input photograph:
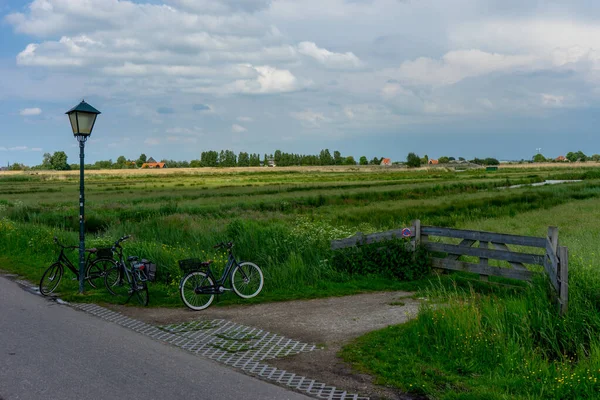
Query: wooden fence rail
x,y
447,256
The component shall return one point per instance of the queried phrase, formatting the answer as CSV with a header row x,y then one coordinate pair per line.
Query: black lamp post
x,y
82,117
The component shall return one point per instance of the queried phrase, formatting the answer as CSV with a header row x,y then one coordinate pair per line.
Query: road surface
x,y
51,351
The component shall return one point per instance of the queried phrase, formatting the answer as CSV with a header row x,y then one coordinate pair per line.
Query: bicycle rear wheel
x,y
141,292
116,282
51,279
247,280
193,290
96,270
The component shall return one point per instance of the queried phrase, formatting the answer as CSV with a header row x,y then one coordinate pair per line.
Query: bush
x,y
393,258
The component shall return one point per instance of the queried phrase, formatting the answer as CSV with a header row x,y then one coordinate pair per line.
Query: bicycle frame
x,y
128,272
219,286
63,260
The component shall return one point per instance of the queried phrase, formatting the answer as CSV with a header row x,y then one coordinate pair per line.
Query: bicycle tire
x,y
247,280
116,283
141,292
96,270
189,287
51,278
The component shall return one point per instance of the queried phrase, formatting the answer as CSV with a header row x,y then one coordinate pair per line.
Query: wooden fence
x,y
485,246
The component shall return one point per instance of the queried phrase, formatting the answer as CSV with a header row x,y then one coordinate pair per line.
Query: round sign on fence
x,y
406,232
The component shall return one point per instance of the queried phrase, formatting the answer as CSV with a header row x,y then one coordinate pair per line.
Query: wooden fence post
x,y
417,224
563,279
483,261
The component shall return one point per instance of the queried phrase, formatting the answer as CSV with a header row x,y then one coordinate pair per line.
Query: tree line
x,y
228,158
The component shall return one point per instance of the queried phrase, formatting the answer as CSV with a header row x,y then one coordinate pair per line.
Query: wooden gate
x,y
485,246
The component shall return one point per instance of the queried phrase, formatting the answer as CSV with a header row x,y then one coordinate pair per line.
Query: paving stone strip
x,y
233,344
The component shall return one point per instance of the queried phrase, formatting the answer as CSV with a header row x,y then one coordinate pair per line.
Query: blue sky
x,y
173,78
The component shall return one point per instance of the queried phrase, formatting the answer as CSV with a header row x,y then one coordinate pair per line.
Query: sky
x,y
379,78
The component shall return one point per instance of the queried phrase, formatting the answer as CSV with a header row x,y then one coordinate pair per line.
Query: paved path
x,y
49,351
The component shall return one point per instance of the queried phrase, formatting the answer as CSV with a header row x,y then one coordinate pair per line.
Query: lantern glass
x,y
85,122
73,119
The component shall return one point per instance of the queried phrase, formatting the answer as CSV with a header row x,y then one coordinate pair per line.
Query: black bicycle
x,y
122,280
198,288
95,268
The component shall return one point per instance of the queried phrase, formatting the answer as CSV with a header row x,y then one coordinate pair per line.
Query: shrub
x,y
393,258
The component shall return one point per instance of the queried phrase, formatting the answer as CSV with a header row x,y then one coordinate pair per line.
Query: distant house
x,y
151,163
561,159
433,162
271,162
386,161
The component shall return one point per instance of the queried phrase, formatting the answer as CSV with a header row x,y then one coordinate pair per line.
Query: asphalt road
x,y
51,351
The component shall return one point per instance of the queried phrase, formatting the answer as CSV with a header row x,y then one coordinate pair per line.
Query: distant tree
x,y
491,161
375,161
195,164
578,156
349,161
444,160
243,159
337,158
17,167
100,164
47,161
141,160
363,160
277,157
451,159
538,158
325,157
461,159
596,157
413,160
425,159
254,160
209,158
59,161
121,162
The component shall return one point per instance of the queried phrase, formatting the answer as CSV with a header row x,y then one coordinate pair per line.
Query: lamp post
x,y
82,118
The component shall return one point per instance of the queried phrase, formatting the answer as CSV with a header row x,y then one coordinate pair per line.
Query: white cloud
x,y
460,64
268,80
328,58
245,119
310,118
552,100
30,111
152,142
237,128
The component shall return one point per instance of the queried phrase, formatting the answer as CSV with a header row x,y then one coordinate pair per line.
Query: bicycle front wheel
x,y
51,279
195,290
247,280
141,292
96,270
116,282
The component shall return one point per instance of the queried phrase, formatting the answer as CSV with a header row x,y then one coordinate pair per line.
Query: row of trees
x,y
227,158
571,156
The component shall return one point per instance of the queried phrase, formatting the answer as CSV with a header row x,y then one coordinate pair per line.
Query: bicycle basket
x,y
104,253
191,264
150,269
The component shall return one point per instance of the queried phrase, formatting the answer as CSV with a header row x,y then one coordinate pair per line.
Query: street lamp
x,y
82,117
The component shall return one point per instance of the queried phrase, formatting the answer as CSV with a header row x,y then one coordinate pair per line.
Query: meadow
x,y
284,218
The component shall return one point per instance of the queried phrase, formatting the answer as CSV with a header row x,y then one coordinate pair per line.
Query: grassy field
x,y
283,219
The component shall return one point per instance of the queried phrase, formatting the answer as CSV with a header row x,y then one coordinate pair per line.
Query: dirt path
x,y
330,322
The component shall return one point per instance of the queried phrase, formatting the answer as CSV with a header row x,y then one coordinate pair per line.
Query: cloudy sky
x,y
173,78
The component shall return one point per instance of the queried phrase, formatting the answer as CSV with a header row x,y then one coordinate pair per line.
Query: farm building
x,y
386,161
561,159
151,163
433,162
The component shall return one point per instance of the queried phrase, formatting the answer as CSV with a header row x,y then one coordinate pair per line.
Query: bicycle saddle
x,y
132,258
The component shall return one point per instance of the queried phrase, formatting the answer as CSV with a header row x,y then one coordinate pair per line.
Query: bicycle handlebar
x,y
119,240
62,245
